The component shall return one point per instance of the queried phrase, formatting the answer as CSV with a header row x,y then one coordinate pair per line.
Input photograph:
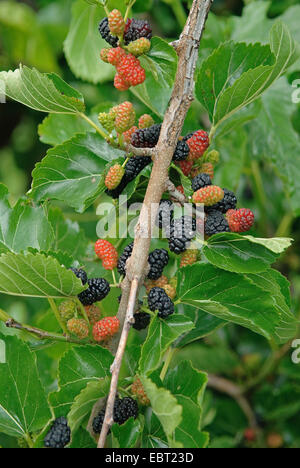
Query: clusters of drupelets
x,y
128,40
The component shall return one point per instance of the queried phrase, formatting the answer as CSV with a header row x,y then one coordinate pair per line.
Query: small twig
x,y
178,196
140,151
225,386
42,334
116,366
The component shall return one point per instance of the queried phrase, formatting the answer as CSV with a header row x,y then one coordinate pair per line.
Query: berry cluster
x,y
138,390
124,408
105,328
159,300
59,435
128,42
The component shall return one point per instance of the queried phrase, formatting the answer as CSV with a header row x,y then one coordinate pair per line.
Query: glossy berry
x,y
138,390
124,408
67,309
139,47
181,152
165,214
105,33
201,180
94,314
114,176
59,435
97,290
134,166
183,230
146,121
78,327
107,253
160,283
128,134
123,259
98,422
142,320
125,117
157,260
209,195
198,144
114,55
189,257
81,274
228,202
106,328
215,223
146,137
186,167
160,301
240,220
131,70
120,84
116,23
135,29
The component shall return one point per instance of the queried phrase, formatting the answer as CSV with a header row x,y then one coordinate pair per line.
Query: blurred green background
x,y
33,33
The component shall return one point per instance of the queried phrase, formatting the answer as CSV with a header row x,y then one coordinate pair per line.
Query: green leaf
x,y
23,226
78,367
160,64
153,435
189,394
126,435
185,181
74,171
84,402
235,298
82,439
164,406
58,128
23,403
35,275
83,44
243,254
41,92
23,37
161,334
277,403
226,65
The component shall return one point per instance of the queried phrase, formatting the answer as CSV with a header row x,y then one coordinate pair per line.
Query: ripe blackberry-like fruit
x,y
116,22
159,300
183,230
123,259
98,422
138,390
186,167
198,144
215,223
131,70
228,202
139,47
160,283
97,290
146,137
201,180
142,320
127,135
165,214
135,29
125,117
67,309
105,328
240,220
78,327
59,435
209,195
146,121
157,260
81,274
181,152
107,253
94,314
124,409
114,176
114,55
105,33
120,84
189,257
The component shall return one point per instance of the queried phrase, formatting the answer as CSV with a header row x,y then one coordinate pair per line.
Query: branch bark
x,y
181,99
